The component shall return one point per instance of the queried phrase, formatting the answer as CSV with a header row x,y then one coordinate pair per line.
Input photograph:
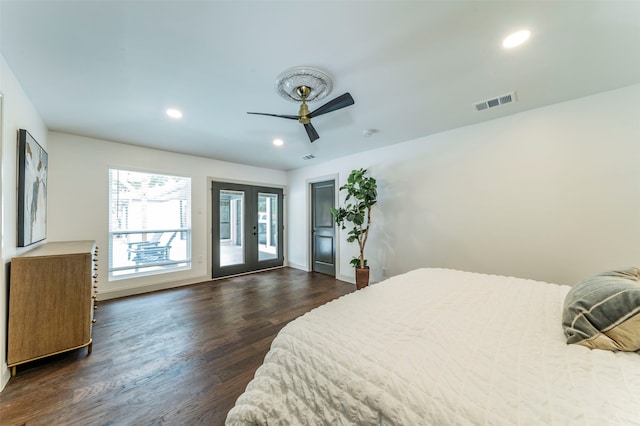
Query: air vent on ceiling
x,y
492,103
309,157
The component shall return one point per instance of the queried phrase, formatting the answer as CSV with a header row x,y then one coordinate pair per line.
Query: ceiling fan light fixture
x,y
290,80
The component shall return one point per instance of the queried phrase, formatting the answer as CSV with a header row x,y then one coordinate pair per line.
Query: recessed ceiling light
x,y
278,142
174,113
516,39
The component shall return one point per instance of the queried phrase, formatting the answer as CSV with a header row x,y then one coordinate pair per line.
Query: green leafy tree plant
x,y
362,194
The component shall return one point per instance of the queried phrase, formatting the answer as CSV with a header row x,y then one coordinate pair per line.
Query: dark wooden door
x,y
247,228
323,247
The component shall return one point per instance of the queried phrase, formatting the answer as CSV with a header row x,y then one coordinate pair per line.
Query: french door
x,y
247,228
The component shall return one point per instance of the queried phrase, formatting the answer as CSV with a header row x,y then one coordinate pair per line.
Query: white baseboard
x,y
346,278
132,291
299,266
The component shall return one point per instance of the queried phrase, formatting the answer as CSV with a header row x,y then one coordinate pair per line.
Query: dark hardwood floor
x,y
177,357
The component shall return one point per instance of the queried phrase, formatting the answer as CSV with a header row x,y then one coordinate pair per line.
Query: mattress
x,y
438,346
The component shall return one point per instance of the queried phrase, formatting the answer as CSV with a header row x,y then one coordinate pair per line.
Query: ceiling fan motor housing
x,y
303,92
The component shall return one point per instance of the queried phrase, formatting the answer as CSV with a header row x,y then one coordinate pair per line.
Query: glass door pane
x,y
267,226
247,228
232,228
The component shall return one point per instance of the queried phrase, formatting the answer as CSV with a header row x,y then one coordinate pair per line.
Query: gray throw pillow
x,y
603,311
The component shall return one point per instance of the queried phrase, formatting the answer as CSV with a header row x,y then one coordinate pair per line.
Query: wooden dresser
x,y
51,300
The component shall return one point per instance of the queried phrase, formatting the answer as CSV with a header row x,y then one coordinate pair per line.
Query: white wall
x,y
17,113
551,194
79,197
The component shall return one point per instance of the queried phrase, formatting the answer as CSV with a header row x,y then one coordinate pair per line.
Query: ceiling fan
x,y
302,84
304,116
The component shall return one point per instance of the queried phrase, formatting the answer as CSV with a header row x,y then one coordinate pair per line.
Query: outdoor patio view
x,y
232,227
150,229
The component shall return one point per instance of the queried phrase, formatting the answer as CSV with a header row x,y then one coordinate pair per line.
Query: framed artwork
x,y
32,190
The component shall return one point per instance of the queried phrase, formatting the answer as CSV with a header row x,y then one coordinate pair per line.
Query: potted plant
x,y
362,193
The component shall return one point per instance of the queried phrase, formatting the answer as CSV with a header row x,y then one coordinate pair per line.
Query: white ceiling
x,y
109,69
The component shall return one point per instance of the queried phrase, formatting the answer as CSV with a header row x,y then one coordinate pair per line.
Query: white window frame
x,y
148,249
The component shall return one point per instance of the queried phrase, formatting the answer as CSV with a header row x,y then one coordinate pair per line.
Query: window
x,y
149,223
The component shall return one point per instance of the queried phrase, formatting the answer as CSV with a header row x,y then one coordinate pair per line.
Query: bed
x,y
440,347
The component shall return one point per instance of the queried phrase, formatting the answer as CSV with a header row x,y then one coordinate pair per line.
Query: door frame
x,y
309,182
210,224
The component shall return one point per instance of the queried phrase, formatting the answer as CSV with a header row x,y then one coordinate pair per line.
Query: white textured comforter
x,y
440,347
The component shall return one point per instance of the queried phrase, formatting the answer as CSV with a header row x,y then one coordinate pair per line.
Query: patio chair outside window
x,y
152,251
138,245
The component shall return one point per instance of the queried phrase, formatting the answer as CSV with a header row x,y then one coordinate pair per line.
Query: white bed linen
x,y
440,347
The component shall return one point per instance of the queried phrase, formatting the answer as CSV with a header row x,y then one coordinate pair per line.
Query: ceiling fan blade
x,y
337,103
291,117
311,132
